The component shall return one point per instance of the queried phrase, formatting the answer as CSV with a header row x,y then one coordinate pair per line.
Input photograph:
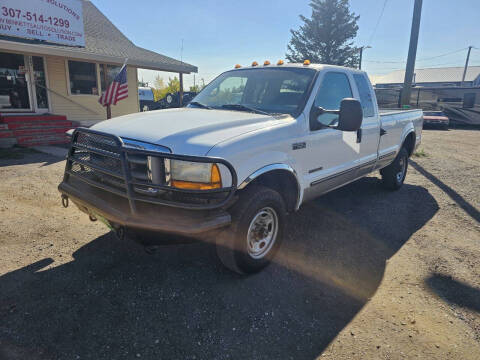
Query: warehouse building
x,y
53,74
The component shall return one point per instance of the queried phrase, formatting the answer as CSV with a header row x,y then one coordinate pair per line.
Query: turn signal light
x,y
280,62
238,66
306,62
254,63
266,63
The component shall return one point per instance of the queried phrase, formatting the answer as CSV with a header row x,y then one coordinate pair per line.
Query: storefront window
x,y
13,83
112,71
83,78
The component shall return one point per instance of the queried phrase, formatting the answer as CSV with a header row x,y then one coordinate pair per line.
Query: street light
x,y
361,55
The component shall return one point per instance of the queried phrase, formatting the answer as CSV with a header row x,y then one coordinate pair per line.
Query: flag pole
x,y
105,79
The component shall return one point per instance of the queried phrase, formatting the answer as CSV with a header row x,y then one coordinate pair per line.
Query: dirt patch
x,y
363,274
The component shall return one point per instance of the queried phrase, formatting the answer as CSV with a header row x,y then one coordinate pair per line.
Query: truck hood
x,y
188,131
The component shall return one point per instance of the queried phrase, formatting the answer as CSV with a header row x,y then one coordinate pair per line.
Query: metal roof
x,y
103,42
430,75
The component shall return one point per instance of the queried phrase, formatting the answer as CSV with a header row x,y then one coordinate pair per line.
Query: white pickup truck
x,y
251,147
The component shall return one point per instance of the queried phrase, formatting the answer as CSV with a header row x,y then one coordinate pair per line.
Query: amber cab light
x,y
238,66
255,63
306,62
266,63
280,62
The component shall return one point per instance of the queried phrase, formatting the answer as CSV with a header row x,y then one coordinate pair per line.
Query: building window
x,y
83,78
112,71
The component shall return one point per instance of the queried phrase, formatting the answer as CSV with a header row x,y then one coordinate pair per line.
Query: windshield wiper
x,y
241,107
203,106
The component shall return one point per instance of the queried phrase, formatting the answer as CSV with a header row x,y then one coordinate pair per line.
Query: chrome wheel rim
x,y
262,233
403,167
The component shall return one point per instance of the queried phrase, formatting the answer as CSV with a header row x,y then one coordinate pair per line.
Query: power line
x,y
378,23
424,59
449,53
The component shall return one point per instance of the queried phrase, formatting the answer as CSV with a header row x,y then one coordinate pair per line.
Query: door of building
x,y
23,83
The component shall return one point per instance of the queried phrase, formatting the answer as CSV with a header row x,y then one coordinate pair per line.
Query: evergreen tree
x,y
327,37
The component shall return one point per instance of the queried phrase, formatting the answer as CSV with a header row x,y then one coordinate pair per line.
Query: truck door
x,y
368,136
331,154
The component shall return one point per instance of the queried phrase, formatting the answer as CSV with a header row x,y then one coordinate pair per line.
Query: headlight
x,y
195,175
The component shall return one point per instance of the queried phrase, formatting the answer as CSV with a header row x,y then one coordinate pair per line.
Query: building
x,y
40,77
432,77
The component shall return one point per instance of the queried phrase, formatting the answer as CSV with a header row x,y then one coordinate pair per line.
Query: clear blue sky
x,y
218,34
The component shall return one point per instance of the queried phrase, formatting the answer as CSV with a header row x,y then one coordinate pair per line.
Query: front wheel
x,y
251,241
394,174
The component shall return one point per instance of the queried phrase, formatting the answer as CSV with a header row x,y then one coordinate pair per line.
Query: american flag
x,y
118,89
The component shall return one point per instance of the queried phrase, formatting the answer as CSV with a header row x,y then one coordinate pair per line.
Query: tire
x,y
394,174
242,249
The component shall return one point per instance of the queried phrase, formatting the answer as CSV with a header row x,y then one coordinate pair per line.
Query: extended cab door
x,y
331,155
368,137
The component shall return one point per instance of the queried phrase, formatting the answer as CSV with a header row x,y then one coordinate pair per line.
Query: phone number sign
x,y
55,21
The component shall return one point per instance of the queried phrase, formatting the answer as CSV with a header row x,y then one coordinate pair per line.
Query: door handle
x,y
359,136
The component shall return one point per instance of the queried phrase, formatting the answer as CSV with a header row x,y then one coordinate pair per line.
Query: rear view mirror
x,y
350,115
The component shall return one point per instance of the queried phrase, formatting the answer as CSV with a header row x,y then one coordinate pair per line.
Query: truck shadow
x,y
113,301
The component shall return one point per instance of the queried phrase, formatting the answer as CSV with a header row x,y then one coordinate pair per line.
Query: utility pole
x,y
361,55
412,53
466,64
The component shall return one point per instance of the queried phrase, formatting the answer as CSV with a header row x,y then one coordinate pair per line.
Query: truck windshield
x,y
262,90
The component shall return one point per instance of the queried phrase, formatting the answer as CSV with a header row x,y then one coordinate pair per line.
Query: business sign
x,y
55,21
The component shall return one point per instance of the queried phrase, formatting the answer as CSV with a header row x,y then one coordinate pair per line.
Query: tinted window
x,y
334,88
83,78
273,90
365,95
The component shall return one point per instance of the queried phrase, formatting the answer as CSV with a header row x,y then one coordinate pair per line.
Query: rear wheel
x,y
394,174
251,241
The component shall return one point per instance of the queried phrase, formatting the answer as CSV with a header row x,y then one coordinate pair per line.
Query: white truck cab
x,y
254,145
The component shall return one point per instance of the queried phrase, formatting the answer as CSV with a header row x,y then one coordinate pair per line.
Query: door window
x,y
40,82
365,95
334,88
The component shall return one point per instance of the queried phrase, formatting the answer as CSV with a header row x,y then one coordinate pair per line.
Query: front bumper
x,y
148,217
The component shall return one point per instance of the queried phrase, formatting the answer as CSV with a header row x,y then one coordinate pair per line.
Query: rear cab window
x,y
365,95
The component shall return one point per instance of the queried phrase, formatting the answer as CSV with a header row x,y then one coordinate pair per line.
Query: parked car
x,y
250,148
146,99
436,118
172,100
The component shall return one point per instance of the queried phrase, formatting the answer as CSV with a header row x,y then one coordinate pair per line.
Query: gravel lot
x,y
363,274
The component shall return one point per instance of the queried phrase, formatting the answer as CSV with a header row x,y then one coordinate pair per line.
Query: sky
x,y
217,34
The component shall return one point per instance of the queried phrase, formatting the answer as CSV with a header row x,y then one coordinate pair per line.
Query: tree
x,y
161,90
327,37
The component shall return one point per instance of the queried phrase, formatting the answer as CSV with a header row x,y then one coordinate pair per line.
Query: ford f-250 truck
x,y
251,147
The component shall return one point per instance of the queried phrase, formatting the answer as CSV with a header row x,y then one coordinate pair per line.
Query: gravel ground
x,y
363,274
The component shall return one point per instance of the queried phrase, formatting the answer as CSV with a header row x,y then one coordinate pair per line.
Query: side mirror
x,y
350,116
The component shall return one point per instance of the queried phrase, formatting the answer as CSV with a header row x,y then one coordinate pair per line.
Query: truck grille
x,y
137,174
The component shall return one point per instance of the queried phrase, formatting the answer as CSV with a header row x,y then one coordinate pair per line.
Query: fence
x,y
462,105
